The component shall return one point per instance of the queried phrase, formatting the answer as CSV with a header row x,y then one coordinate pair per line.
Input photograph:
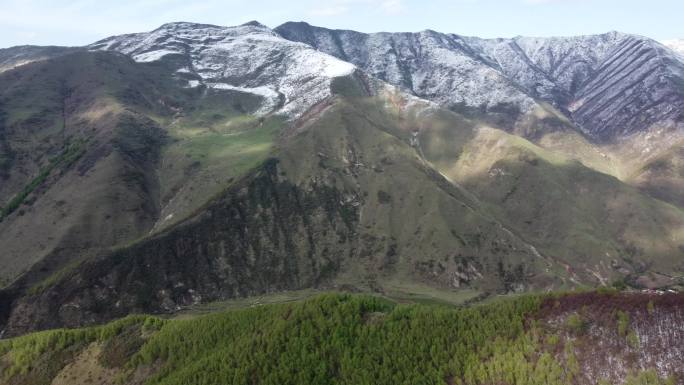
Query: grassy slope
x,y
591,224
48,106
374,151
209,146
663,174
345,339
407,230
581,217
651,160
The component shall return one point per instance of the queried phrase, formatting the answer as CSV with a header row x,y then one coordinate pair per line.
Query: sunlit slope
x,y
562,197
597,225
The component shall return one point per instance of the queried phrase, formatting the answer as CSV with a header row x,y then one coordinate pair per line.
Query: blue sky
x,y
79,22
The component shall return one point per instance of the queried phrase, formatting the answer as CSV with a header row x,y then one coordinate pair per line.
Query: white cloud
x,y
392,6
341,7
331,10
550,1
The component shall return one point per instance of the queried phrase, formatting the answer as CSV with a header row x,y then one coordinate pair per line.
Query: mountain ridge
x,y
479,56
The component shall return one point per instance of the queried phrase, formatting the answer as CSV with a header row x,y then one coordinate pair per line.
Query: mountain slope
x,y
13,57
434,66
200,137
331,210
149,152
328,211
591,222
76,175
611,101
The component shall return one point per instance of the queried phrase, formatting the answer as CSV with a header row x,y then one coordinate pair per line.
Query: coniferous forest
x,y
349,339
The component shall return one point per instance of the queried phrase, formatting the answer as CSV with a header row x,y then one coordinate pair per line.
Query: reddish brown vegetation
x,y
615,334
606,303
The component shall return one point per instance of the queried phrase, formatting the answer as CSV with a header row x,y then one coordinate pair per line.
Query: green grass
x,y
247,302
207,150
55,277
398,291
70,155
404,290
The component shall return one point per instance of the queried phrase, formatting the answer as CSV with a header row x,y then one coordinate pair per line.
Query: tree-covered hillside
x,y
354,339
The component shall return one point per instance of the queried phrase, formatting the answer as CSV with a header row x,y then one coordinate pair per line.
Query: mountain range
x,y
153,171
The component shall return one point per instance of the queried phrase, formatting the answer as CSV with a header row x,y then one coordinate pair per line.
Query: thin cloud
x,y
341,7
332,10
551,1
393,7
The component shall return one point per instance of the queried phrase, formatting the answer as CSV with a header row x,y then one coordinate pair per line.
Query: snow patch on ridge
x,y
153,55
270,96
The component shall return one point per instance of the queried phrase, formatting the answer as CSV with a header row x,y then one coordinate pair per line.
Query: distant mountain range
x,y
151,171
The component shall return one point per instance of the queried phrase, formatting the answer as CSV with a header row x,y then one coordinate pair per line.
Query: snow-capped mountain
x,y
290,76
609,85
435,66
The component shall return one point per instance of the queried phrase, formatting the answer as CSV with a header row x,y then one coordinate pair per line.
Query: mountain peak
x,y
177,25
253,23
251,58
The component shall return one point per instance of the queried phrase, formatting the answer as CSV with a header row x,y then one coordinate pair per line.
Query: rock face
x,y
289,76
610,85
